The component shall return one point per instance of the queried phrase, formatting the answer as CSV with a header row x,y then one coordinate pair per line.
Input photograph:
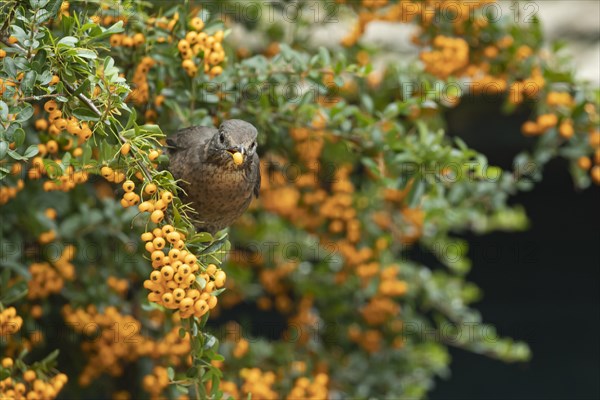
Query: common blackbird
x,y
218,182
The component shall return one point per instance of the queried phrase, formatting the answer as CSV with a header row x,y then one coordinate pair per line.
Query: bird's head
x,y
235,136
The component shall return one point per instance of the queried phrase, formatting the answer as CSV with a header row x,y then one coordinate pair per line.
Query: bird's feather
x,y
190,137
257,176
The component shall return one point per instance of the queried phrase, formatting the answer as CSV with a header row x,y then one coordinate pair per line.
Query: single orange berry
x,y
157,216
125,149
128,186
150,188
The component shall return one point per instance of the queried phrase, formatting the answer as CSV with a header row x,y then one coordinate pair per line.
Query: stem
x,y
137,161
196,383
83,98
43,96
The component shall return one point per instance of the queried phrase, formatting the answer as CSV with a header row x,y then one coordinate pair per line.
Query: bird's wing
x,y
257,176
194,136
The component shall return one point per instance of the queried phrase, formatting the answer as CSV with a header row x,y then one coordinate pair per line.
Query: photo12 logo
x,y
272,11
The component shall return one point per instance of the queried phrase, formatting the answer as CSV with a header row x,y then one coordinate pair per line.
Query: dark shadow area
x,y
540,286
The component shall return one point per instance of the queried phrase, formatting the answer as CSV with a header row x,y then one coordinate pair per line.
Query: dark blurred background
x,y
540,286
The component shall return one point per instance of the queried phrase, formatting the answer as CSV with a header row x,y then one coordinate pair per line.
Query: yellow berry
x,y
197,23
173,237
150,188
7,362
157,232
238,158
167,229
186,303
125,149
159,243
149,247
147,236
29,375
160,205
167,272
157,255
128,186
153,155
157,216
167,298
167,197
584,163
50,106
146,206
156,276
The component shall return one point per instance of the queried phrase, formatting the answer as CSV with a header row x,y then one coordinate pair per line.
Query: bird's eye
x,y
222,137
253,145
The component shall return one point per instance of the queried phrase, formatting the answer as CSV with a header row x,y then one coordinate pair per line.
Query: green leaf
x,y
16,155
10,67
192,372
68,41
85,53
3,149
3,111
85,114
170,373
25,113
181,389
18,136
31,151
28,82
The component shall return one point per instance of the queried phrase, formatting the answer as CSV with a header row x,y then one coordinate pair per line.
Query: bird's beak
x,y
237,149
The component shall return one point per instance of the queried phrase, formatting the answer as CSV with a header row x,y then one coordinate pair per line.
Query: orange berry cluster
x,y
272,280
389,284
407,11
585,162
197,42
10,192
156,382
47,237
29,386
10,322
258,384
305,389
56,124
449,56
46,280
338,207
527,88
115,339
241,348
379,310
141,91
370,339
305,319
156,206
118,285
172,283
119,39
109,19
229,389
112,175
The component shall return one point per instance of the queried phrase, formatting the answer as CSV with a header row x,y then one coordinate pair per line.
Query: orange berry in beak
x,y
238,158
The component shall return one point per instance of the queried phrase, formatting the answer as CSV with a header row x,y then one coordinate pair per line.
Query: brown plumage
x,y
218,189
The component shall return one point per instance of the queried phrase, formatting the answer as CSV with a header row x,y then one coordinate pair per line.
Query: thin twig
x,y
43,96
83,98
